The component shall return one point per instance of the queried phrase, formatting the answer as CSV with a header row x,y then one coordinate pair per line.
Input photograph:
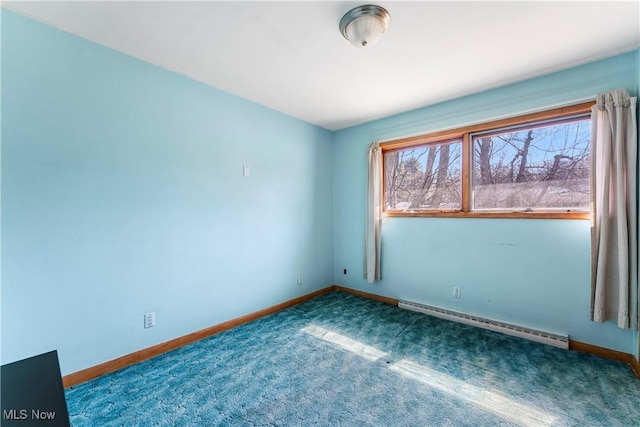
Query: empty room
x,y
319,213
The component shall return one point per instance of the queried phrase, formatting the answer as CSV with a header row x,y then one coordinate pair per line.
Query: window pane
x,y
424,177
539,167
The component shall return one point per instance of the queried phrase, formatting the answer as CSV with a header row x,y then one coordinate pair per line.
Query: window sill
x,y
492,214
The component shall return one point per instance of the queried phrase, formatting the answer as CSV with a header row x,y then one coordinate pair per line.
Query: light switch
x,y
246,171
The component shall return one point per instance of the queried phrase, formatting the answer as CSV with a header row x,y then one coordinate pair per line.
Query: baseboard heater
x,y
561,341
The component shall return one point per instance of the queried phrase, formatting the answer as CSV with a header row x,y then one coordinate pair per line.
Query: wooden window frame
x,y
464,134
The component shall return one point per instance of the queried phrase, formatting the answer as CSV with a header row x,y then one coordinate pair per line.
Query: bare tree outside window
x,y
533,166
544,166
426,177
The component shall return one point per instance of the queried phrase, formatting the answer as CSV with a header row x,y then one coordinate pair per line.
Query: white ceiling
x,y
291,57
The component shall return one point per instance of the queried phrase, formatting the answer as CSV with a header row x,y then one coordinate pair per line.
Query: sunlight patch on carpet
x,y
502,406
498,404
366,351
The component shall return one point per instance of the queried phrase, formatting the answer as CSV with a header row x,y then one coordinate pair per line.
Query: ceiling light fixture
x,y
364,25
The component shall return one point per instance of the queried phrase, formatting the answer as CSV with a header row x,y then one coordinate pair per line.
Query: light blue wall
x,y
122,193
529,272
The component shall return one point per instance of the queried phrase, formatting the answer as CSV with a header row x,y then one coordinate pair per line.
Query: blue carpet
x,y
341,360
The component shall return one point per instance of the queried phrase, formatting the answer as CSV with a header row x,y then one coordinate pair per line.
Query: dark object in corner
x,y
32,392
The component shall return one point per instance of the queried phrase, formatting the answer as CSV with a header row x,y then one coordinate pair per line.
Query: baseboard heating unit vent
x,y
561,341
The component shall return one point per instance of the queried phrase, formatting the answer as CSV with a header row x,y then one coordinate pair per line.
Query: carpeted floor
x,y
341,360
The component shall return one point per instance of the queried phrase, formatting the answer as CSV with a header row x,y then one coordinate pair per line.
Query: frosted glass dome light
x,y
364,25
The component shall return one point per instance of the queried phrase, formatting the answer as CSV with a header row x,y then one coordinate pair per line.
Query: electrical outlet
x,y
150,320
344,271
300,281
457,293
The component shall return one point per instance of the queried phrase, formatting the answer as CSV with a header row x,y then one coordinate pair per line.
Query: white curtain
x,y
374,215
614,288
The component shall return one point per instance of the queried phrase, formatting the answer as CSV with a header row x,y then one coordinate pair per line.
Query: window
x,y
424,177
534,166
543,167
